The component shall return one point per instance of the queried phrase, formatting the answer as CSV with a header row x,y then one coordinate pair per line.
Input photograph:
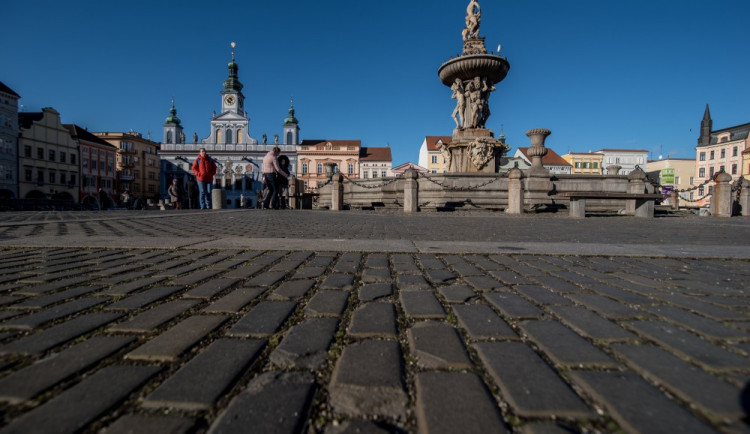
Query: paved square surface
x,y
318,321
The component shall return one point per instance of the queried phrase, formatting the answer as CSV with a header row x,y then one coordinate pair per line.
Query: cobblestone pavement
x,y
182,322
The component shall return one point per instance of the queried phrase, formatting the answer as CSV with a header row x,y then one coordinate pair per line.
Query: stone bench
x,y
643,202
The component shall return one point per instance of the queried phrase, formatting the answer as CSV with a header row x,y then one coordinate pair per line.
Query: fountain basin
x,y
466,67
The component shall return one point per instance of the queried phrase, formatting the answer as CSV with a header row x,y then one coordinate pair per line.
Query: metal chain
x,y
472,188
696,200
369,186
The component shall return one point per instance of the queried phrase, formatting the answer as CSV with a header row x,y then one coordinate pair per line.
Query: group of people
x,y
275,180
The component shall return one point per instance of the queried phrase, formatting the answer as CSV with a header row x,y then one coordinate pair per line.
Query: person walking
x,y
175,194
204,169
270,169
282,183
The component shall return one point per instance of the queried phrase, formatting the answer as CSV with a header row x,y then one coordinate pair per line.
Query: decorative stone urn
x,y
537,149
472,77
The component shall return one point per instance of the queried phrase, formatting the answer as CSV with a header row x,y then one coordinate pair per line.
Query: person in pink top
x,y
271,167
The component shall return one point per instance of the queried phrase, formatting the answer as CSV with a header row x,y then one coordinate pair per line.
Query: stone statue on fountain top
x,y
473,20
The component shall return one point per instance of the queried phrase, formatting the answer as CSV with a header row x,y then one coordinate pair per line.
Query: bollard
x,y
745,197
411,191
721,199
218,198
293,198
337,192
675,200
637,185
515,192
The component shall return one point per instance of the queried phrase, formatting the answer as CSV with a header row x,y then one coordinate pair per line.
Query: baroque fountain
x,y
472,77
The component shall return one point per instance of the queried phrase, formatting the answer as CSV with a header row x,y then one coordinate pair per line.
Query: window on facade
x,y
27,151
692,180
229,137
723,153
383,174
702,172
169,137
62,157
710,171
702,156
350,169
374,173
137,173
721,168
734,169
677,180
320,168
434,170
701,191
93,164
52,178
40,153
72,178
289,138
151,175
734,151
85,163
366,174
27,176
434,159
151,188
712,155
710,189
72,158
724,139
596,165
304,168
578,165
62,177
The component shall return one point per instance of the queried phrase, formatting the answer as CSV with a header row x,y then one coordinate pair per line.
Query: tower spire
x,y
706,127
232,83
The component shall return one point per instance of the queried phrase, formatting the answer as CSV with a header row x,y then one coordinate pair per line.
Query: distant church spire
x,y
706,127
232,83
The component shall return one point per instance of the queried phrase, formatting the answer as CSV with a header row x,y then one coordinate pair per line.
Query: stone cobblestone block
x,y
305,345
483,262
481,322
346,267
235,301
688,345
327,303
292,290
266,279
541,295
510,277
264,319
451,402
47,300
207,376
704,326
359,426
377,260
621,295
376,275
605,307
484,283
637,406
309,273
688,382
411,282
557,285
151,423
209,289
375,291
25,384
149,320
457,293
441,276
287,265
11,299
421,304
512,305
564,346
272,402
126,276
245,271
144,298
368,381
52,285
181,268
437,345
170,345
36,319
589,324
374,320
321,260
531,387
338,281
75,408
59,334
135,285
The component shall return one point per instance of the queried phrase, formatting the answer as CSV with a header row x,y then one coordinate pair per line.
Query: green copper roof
x,y
172,118
291,120
232,83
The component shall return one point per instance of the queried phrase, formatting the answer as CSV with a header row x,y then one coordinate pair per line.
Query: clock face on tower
x,y
229,100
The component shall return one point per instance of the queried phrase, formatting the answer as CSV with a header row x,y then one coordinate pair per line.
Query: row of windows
x,y
51,155
722,154
711,171
53,177
305,169
587,165
624,160
366,174
85,163
90,181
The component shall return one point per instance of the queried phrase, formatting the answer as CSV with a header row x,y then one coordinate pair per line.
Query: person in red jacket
x,y
204,168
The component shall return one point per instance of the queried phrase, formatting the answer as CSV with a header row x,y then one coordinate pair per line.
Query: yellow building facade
x,y
585,163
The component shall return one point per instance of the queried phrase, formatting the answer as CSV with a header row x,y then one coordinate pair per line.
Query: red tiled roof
x,y
432,141
79,133
375,154
551,159
357,143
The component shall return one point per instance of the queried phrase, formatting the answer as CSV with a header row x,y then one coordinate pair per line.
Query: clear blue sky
x,y
599,73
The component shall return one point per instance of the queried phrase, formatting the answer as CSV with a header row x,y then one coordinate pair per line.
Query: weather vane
x,y
233,45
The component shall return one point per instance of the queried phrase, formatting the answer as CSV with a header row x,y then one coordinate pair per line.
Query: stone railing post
x,y
537,150
293,199
721,199
411,191
218,198
337,192
745,197
515,192
637,185
675,200
613,169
